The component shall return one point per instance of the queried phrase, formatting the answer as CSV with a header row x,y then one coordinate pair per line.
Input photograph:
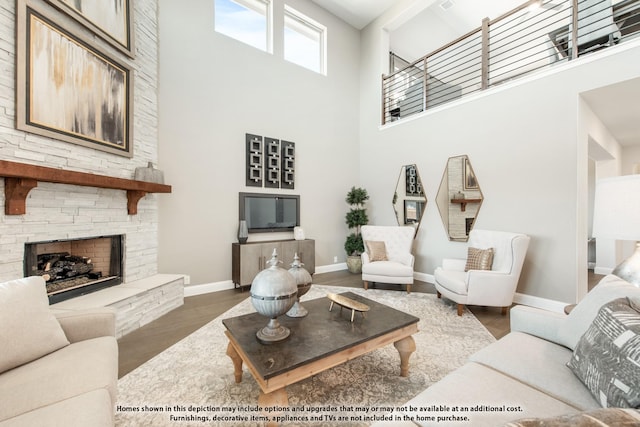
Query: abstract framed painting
x,y
67,88
111,20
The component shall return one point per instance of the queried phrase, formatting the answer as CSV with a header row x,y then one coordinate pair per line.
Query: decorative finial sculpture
x,y
273,292
303,281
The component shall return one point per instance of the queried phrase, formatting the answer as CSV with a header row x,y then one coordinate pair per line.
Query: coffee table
x,y
321,340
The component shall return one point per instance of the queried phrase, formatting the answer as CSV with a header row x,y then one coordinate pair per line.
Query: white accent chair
x,y
493,288
398,268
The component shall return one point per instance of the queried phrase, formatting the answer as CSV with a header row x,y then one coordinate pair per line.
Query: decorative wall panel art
x,y
269,162
272,163
254,160
288,162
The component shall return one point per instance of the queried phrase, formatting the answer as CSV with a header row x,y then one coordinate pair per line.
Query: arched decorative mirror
x,y
459,198
409,200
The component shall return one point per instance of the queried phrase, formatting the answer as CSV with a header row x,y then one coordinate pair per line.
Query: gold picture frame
x,y
110,20
67,87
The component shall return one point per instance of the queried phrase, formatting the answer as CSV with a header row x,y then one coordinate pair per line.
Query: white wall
x,y
612,159
604,149
530,161
213,90
630,160
56,211
630,165
409,41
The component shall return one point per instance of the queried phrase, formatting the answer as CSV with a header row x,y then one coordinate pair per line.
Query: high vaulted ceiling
x,y
617,105
357,13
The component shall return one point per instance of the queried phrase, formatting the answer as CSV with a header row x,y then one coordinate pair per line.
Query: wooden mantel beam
x,y
20,178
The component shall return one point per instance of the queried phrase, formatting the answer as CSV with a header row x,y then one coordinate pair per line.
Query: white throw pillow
x,y
578,321
28,329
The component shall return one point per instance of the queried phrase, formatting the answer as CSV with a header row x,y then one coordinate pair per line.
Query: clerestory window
x,y
248,21
305,41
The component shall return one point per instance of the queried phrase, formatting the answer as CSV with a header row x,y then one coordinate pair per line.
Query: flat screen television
x,y
270,212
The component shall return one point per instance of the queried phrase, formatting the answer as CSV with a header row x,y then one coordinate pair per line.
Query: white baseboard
x,y
537,302
603,270
206,288
424,277
331,267
523,299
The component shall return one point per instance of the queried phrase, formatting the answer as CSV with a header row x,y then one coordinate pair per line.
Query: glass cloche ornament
x,y
303,281
273,292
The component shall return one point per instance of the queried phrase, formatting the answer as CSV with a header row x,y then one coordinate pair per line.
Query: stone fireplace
x,y
76,267
55,190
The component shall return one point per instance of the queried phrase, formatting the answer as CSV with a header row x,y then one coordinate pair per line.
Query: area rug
x,y
192,382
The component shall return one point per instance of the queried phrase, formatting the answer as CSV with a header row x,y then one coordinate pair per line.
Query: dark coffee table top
x,y
318,335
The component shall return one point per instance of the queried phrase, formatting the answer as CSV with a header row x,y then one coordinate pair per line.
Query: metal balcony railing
x,y
536,35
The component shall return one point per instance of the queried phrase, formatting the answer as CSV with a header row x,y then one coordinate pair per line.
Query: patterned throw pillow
x,y
479,259
607,357
377,250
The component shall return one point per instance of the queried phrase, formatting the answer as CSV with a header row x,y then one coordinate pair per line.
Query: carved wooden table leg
x,y
405,347
277,398
237,362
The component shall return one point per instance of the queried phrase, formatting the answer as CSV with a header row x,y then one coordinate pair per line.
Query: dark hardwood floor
x,y
153,338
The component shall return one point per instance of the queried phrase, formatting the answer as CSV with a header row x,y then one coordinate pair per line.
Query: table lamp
x,y
616,215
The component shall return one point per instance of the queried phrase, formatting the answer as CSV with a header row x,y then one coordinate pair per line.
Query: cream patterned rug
x,y
192,382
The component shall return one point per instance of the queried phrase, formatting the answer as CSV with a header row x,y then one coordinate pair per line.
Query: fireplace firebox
x,y
76,267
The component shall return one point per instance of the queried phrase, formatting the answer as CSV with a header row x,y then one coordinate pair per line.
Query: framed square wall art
x,y
67,87
111,20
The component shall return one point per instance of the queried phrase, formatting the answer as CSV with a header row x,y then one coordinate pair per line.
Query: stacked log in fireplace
x,y
62,266
75,267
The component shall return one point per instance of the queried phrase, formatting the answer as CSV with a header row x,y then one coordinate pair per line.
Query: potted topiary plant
x,y
356,217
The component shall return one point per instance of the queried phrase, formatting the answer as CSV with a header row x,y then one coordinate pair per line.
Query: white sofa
x,y
522,375
55,371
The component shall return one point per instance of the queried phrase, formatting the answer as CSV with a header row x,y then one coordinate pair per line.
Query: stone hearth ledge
x,y
136,303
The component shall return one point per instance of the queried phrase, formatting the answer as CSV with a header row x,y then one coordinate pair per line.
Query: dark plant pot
x,y
354,264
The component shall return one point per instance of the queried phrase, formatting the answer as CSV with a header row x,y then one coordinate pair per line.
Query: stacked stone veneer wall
x,y
56,211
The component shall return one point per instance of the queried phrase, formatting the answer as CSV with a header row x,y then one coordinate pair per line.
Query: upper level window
x,y
248,21
304,41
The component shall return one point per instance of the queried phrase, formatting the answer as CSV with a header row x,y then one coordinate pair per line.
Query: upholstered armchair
x,y
387,257
489,276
